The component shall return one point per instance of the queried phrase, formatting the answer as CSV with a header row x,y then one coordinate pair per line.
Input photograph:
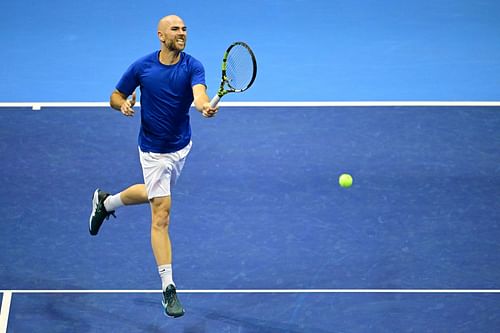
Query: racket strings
x,y
239,68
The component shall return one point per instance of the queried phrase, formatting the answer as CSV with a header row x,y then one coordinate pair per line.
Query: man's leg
x,y
162,250
133,195
160,240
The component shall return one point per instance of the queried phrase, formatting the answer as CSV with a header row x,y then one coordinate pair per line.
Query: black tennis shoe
x,y
99,212
171,304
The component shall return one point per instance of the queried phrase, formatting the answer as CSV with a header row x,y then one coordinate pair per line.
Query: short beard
x,y
172,46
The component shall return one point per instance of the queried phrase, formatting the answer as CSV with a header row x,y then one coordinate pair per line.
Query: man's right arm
x,y
119,101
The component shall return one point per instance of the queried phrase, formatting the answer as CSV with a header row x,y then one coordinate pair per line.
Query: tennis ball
x,y
345,180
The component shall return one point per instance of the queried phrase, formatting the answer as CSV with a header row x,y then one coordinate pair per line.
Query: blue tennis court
x,y
264,238
404,96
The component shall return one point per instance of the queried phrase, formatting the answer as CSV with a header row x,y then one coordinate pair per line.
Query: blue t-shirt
x,y
166,97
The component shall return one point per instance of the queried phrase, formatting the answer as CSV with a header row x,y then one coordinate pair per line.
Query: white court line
x,y
263,291
4,311
37,105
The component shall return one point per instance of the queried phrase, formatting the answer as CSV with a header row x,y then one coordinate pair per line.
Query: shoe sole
x,y
95,201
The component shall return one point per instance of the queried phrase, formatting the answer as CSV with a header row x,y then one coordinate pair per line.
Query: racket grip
x,y
214,101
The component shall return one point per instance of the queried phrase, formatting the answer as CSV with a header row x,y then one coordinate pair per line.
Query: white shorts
x,y
161,171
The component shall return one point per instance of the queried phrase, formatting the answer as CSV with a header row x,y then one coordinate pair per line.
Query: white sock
x,y
112,202
166,276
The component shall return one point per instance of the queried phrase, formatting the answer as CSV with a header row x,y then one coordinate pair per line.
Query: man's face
x,y
174,35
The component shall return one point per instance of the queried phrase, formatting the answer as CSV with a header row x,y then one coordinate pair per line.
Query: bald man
x,y
170,81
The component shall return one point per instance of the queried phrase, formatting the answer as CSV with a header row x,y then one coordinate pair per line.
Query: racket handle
x,y
214,101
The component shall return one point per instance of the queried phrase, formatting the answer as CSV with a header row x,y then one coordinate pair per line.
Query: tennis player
x,y
170,81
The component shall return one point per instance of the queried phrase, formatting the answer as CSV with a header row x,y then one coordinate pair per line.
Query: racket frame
x,y
224,79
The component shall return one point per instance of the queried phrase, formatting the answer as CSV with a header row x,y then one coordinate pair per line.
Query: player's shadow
x,y
199,319
238,322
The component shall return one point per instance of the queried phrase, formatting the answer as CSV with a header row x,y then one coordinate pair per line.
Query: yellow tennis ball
x,y
345,180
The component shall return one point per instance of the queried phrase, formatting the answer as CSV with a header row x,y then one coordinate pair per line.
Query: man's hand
x,y
208,111
127,106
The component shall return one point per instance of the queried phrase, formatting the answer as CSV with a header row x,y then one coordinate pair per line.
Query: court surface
x,y
264,239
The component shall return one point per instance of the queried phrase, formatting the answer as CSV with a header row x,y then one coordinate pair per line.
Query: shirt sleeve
x,y
129,80
198,74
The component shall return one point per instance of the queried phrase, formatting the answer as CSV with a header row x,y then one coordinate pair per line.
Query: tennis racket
x,y
239,69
